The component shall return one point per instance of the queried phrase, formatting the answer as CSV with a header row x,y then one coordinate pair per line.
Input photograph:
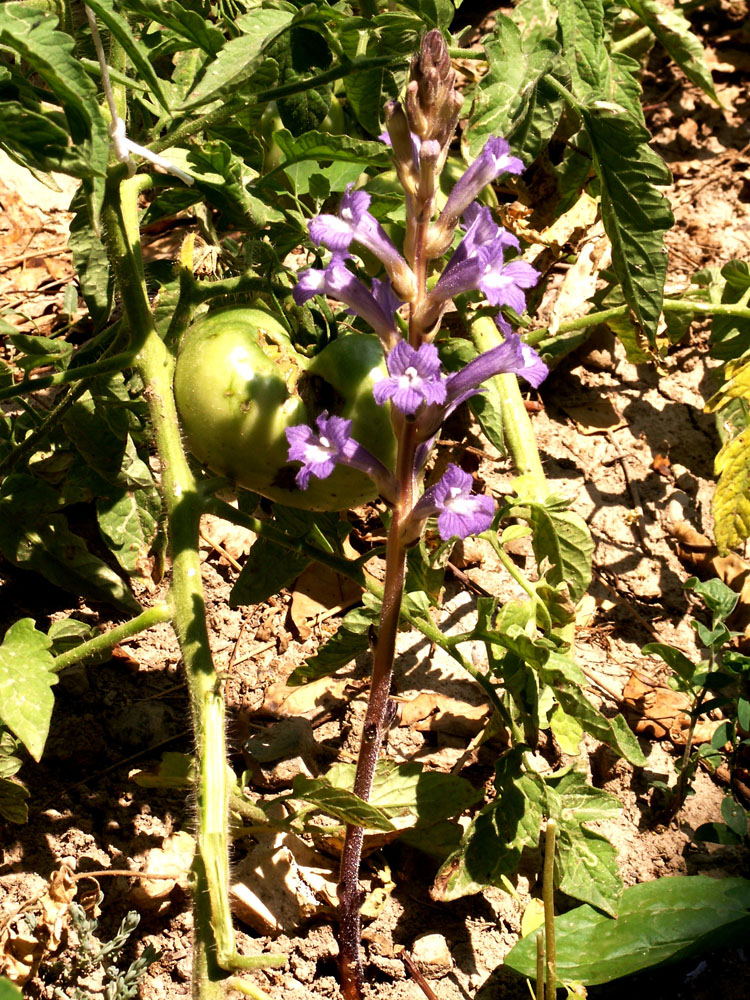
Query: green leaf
x,y
183,21
400,790
175,770
112,457
322,146
512,99
562,537
238,58
720,599
585,861
635,214
223,178
340,803
351,639
26,680
492,845
33,538
567,730
567,682
13,808
95,279
582,30
673,30
734,816
8,991
267,570
33,35
674,658
40,351
433,13
67,634
716,833
665,920
128,521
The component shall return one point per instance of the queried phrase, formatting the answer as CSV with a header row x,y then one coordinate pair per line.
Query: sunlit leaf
x,y
26,681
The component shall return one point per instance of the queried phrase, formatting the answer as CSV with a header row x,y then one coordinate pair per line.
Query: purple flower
x,y
415,378
376,307
355,223
478,265
459,511
333,445
495,159
510,357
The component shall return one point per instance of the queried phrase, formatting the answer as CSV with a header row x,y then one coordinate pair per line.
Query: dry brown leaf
x,y
174,857
320,592
660,713
22,949
596,417
436,713
308,699
579,284
280,885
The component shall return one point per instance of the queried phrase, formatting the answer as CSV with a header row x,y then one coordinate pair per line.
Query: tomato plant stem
x,y
214,949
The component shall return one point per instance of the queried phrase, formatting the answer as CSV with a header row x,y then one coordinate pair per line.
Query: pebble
x,y
432,954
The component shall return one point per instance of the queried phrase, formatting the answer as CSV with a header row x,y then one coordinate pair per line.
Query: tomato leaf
x,y
635,214
183,21
26,680
340,803
582,30
661,921
128,521
673,30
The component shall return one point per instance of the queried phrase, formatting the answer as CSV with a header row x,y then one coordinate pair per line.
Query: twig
x,y
621,600
634,494
30,254
418,978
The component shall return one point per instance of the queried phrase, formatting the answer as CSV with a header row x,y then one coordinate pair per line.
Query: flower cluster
x,y
420,394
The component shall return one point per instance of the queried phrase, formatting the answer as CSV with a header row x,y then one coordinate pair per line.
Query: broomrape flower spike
x,y
415,378
460,512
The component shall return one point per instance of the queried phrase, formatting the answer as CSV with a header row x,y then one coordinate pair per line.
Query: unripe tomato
x,y
239,383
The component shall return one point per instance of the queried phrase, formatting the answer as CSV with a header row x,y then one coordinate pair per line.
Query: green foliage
x,y
490,851
657,922
26,679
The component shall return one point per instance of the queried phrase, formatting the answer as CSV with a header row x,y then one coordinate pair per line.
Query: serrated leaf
x,y
434,13
238,58
340,803
492,845
512,99
223,177
33,35
26,680
562,537
137,53
582,30
567,730
673,30
112,457
665,920
635,214
128,521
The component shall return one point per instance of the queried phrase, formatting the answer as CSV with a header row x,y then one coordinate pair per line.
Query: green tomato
x,y
239,383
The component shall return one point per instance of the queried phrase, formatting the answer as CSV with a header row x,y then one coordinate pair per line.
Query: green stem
x,y
114,364
517,429
635,39
102,644
677,306
214,949
476,54
539,991
203,291
548,894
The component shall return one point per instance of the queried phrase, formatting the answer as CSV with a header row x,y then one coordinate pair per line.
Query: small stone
x,y
432,955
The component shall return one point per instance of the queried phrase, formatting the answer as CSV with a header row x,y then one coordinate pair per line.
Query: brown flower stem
x,y
375,724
